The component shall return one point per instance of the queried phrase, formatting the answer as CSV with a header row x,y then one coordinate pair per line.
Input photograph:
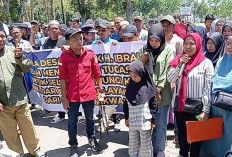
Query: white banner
x,y
44,86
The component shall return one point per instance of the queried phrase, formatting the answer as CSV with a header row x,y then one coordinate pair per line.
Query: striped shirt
x,y
198,82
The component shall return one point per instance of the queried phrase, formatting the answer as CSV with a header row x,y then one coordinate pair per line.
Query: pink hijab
x,y
195,60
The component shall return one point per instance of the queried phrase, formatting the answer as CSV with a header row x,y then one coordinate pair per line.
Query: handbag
x,y
191,105
223,100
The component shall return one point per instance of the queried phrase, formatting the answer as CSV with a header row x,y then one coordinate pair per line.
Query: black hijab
x,y
218,40
155,31
141,92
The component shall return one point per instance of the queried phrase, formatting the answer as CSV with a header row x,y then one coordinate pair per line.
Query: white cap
x,y
124,23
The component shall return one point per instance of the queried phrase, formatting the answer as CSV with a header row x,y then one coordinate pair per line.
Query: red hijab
x,y
195,60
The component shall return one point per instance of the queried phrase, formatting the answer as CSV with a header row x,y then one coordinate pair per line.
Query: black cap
x,y
63,26
75,20
70,32
130,30
34,21
20,25
88,28
151,20
89,21
104,24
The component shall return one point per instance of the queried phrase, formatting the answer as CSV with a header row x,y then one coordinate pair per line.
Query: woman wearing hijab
x,y
156,57
202,32
195,84
221,82
216,26
140,110
190,28
215,47
227,30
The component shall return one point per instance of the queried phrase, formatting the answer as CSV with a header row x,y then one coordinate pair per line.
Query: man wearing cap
x,y
89,33
55,40
123,24
75,23
130,33
103,29
172,40
63,29
44,30
26,31
116,34
78,68
138,22
35,33
14,107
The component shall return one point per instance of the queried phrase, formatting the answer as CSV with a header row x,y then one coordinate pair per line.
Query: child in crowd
x,y
140,110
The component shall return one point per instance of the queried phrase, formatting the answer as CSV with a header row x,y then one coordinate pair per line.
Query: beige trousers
x,y
10,117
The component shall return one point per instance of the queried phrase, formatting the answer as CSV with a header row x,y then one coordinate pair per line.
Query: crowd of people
x,y
180,63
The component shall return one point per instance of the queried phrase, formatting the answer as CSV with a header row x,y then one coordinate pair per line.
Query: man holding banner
x,y
78,67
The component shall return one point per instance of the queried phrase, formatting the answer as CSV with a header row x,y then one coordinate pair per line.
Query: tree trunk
x,y
62,7
23,10
128,11
32,10
6,8
53,10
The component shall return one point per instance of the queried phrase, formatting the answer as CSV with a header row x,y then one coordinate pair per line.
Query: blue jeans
x,y
160,131
72,122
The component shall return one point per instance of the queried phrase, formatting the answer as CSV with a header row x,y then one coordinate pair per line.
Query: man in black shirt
x,y
54,40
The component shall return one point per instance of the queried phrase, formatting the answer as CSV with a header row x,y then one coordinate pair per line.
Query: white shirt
x,y
176,45
198,82
143,35
25,45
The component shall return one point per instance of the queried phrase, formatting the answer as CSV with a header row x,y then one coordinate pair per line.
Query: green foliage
x,y
109,9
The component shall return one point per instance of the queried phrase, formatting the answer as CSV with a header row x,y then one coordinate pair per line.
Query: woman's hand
x,y
158,98
127,122
144,58
184,59
204,116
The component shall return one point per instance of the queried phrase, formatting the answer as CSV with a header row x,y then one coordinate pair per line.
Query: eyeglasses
x,y
228,44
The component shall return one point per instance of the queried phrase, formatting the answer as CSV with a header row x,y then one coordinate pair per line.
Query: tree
x,y
128,11
53,15
201,10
